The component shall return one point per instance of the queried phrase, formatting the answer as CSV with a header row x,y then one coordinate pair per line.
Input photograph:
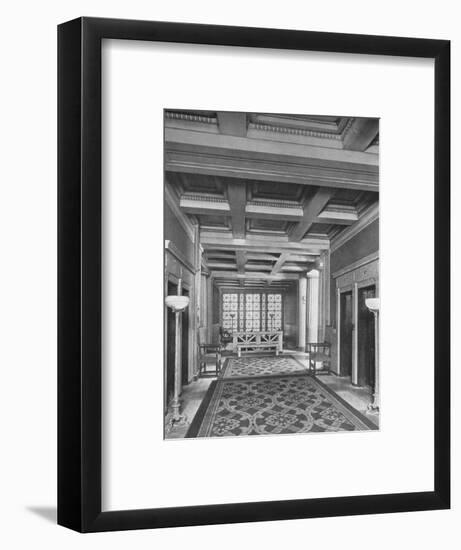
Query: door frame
x,y
372,281
354,288
343,290
363,284
364,272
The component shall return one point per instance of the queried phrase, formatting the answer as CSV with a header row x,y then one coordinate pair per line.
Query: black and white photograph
x,y
271,230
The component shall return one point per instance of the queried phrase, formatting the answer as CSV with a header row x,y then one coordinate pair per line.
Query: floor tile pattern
x,y
285,404
261,366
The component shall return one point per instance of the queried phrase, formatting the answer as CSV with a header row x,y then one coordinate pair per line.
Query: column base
x,y
172,422
373,407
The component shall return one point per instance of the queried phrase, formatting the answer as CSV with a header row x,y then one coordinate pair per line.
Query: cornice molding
x,y
274,203
292,131
355,265
202,197
368,217
190,118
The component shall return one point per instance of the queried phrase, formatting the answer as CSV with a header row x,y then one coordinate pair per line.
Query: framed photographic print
x,y
254,274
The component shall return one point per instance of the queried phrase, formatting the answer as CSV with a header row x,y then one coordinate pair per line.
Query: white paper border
x,y
140,469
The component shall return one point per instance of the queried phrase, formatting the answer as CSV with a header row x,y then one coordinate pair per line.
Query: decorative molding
x,y
275,203
292,131
190,117
173,249
368,217
203,197
355,265
196,202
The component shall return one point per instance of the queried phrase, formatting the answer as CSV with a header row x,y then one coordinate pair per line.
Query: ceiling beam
x,y
232,124
312,209
339,214
241,260
218,143
297,257
360,134
199,204
236,194
267,243
261,256
215,254
295,269
202,152
279,263
263,267
219,265
256,287
255,275
260,168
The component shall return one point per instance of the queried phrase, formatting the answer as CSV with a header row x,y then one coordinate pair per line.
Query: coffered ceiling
x,y
268,191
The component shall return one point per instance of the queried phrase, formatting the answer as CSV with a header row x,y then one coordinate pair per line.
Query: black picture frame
x,y
79,274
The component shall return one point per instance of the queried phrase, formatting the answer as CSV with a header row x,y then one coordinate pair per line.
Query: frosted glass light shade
x,y
177,303
372,304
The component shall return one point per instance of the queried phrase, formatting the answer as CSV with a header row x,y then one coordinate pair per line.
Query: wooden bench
x,y
251,347
257,340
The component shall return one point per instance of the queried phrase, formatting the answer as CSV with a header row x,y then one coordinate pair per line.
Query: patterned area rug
x,y
245,367
287,404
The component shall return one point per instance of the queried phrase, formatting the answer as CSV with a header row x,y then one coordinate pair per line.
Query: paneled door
x,y
366,338
346,334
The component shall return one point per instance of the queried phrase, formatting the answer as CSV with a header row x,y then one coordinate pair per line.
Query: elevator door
x,y
366,338
346,334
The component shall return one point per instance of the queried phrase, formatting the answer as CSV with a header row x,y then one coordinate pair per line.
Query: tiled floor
x,y
357,397
193,394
